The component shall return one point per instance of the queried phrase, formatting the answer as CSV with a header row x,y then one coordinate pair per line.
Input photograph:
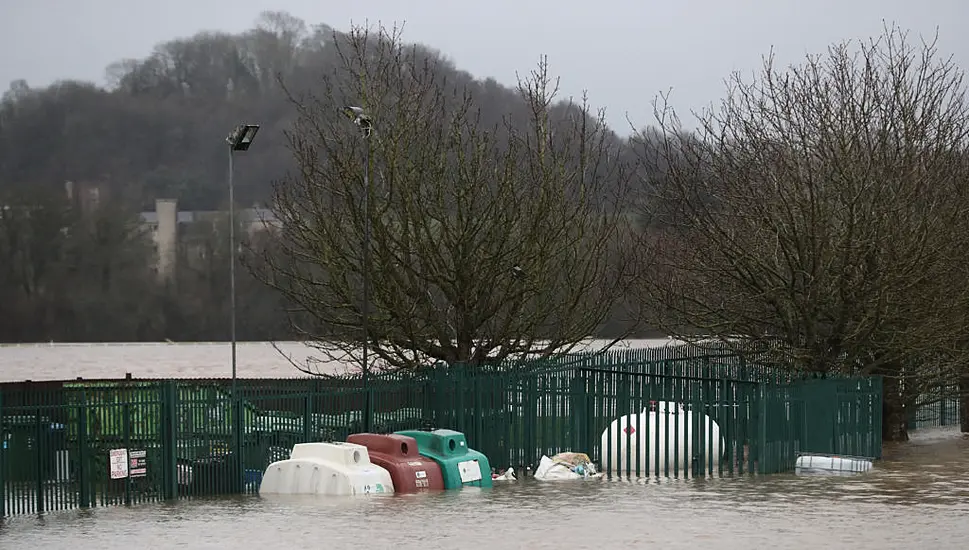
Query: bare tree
x,y
824,207
273,47
487,243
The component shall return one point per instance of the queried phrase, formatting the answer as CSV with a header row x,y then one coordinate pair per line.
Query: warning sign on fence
x,y
118,463
137,463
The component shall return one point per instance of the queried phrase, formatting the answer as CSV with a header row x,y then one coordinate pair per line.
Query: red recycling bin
x,y
398,454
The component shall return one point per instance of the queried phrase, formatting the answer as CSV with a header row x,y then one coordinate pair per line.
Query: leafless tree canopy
x,y
823,205
487,242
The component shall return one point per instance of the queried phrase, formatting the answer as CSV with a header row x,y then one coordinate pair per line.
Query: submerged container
x,y
662,438
326,469
460,466
398,454
821,464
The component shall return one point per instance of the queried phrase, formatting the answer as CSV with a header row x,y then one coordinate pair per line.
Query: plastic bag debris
x,y
566,466
507,475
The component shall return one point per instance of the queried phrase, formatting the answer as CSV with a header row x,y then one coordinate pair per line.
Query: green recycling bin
x,y
460,466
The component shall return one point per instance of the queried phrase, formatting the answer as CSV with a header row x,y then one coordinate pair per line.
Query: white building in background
x,y
167,225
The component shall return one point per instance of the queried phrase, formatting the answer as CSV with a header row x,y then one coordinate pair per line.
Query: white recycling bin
x,y
326,469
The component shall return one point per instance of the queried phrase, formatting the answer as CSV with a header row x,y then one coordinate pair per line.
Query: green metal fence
x,y
937,409
97,443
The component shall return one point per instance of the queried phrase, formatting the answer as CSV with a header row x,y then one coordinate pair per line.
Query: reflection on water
x,y
918,496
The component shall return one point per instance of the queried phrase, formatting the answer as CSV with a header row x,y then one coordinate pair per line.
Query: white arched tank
x,y
326,469
668,419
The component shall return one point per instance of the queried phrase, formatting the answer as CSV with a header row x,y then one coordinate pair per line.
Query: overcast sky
x,y
622,51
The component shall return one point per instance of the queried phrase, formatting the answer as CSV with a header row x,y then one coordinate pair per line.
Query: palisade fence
x,y
939,408
95,443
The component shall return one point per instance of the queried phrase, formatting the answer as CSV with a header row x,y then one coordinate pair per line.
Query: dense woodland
x,y
156,132
822,206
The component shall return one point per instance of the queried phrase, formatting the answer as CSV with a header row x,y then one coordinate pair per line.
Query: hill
x,y
81,167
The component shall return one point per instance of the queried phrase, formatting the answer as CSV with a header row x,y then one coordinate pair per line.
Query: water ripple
x,y
901,504
917,497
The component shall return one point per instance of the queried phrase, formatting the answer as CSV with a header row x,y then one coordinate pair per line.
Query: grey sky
x,y
622,51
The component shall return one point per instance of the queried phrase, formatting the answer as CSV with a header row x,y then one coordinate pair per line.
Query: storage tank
x,y
398,454
679,424
326,469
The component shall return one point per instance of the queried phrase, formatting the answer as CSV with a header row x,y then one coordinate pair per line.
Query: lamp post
x,y
239,140
364,122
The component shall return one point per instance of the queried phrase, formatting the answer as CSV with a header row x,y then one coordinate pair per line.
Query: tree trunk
x,y
894,417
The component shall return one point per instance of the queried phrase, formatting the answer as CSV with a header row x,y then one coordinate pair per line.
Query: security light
x,y
241,138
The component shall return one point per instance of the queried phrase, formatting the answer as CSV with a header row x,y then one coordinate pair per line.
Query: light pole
x,y
364,122
239,140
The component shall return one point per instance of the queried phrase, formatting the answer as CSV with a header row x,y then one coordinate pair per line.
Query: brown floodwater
x,y
918,497
57,361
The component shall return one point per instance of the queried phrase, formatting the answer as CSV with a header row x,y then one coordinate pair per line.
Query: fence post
x,y
943,396
761,453
307,415
83,476
579,417
530,417
41,452
3,448
477,411
592,416
459,389
624,437
428,411
238,420
368,407
879,395
962,402
126,429
169,441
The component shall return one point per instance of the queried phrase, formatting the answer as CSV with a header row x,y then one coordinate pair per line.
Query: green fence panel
x,y
938,407
637,413
3,460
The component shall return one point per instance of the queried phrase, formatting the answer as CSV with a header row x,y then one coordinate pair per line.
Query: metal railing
x,y
638,413
937,409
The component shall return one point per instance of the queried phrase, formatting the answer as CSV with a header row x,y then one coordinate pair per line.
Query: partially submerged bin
x,y
211,475
326,469
820,464
398,454
460,466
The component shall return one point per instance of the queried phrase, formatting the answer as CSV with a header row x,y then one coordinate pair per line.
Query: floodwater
x,y
917,497
153,360
58,361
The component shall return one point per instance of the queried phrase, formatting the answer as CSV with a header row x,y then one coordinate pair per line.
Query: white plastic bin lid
x,y
347,454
